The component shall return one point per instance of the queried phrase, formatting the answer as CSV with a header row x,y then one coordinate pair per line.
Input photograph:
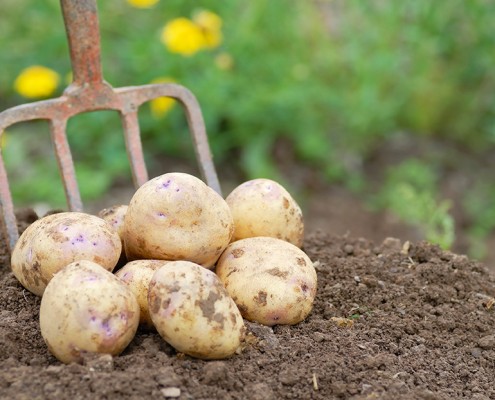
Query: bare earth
x,y
390,321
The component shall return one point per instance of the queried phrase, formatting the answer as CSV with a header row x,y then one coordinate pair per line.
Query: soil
x,y
393,320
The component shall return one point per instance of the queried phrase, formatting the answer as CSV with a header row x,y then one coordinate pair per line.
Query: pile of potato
x,y
195,265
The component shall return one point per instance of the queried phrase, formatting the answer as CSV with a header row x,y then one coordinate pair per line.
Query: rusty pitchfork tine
x,y
89,92
84,42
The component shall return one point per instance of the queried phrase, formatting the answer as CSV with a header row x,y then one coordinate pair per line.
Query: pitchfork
x,y
90,92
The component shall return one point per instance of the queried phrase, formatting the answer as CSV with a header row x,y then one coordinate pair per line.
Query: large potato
x,y
137,276
271,280
54,241
86,309
192,311
176,216
262,207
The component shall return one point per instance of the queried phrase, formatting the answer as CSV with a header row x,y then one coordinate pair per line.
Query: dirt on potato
x,y
391,321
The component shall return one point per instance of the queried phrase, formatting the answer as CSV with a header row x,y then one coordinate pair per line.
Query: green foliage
x,y
269,91
335,79
38,184
410,192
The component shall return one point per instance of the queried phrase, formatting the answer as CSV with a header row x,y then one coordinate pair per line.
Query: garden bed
x,y
393,320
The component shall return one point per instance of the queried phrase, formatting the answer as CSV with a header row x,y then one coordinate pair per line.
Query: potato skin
x,y
272,281
192,311
85,308
263,207
176,216
115,215
137,276
54,241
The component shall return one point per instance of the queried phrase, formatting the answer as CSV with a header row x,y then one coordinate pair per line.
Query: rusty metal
x,y
90,92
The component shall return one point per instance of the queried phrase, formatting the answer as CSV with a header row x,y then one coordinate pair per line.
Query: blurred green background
x,y
392,99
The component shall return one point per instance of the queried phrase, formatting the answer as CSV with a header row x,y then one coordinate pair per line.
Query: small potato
x,y
86,309
192,311
262,207
115,217
271,281
176,216
137,276
54,241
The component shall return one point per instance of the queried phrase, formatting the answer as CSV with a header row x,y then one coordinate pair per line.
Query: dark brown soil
x,y
390,321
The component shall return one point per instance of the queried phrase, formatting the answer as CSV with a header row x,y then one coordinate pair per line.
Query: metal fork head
x,y
89,92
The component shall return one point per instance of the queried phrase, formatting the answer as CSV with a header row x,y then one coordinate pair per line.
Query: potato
x,y
192,311
115,217
86,309
54,241
137,276
262,207
177,217
271,280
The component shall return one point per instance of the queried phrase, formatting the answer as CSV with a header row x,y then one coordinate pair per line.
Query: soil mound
x,y
390,321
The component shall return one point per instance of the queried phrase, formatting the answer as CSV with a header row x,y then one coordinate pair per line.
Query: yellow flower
x,y
208,20
183,36
162,105
36,81
142,3
211,26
